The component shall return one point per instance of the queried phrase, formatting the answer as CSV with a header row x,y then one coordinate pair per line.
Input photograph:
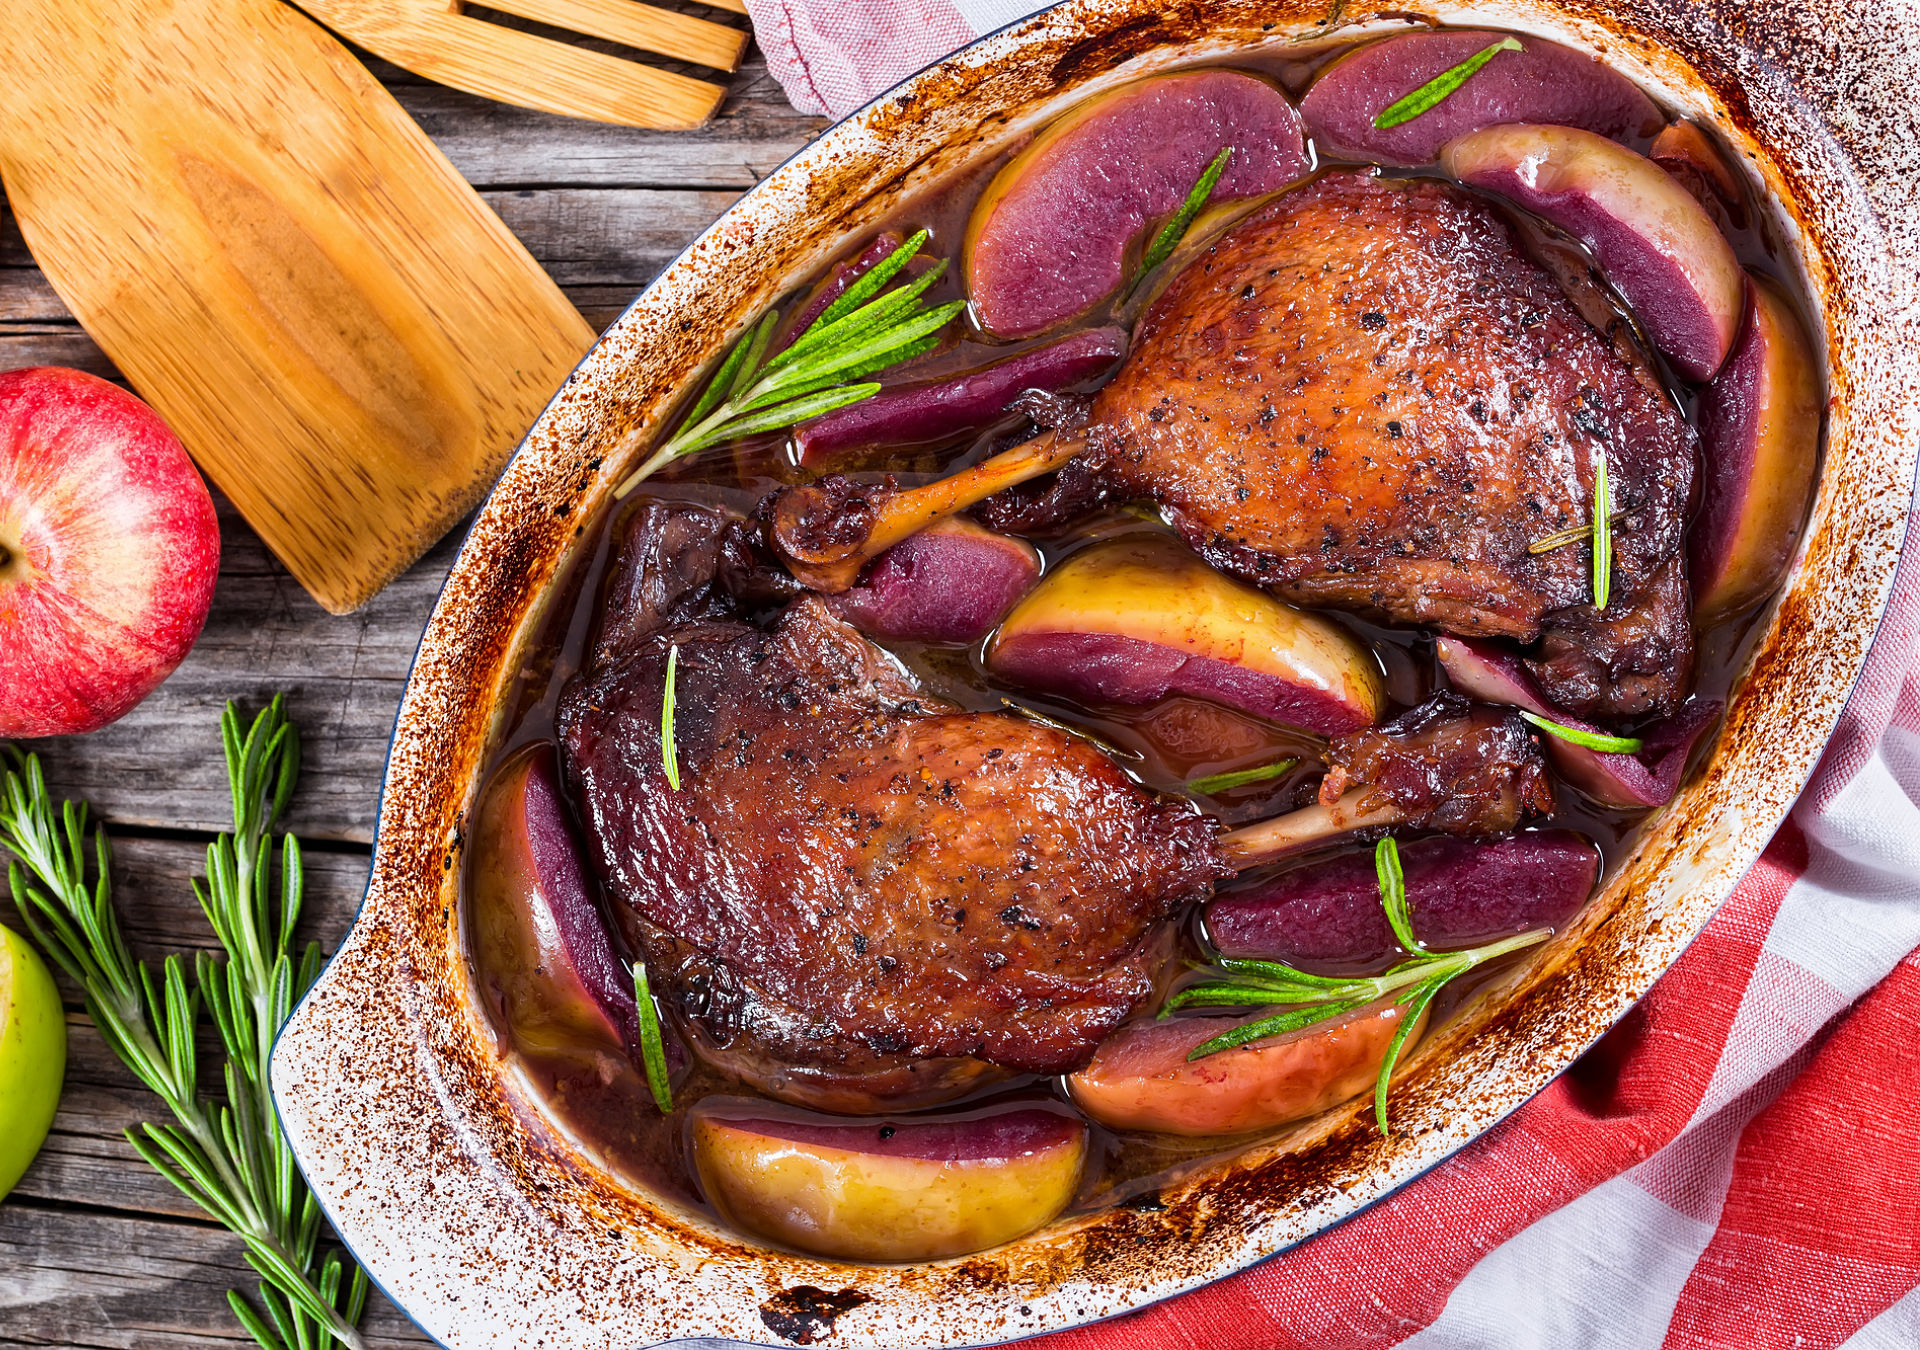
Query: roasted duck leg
x,y
862,896
1366,396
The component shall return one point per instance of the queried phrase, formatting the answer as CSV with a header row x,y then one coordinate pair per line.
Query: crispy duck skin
x,y
1367,396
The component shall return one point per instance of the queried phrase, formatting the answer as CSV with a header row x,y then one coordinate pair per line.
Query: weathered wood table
x,y
95,1249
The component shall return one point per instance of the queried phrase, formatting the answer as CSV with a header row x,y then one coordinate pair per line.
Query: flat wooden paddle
x,y
343,334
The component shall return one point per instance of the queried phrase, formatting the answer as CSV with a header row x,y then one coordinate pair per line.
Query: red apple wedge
x,y
888,1190
1136,619
949,583
1051,235
543,961
1655,243
1460,893
1760,441
1141,1078
1542,82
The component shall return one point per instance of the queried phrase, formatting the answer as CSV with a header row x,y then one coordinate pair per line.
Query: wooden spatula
x,y
441,40
345,337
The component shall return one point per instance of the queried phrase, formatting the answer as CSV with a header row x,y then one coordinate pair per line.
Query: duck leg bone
x,y
827,531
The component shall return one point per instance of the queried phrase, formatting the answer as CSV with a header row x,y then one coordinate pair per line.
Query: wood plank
x,y
608,236
118,1282
498,145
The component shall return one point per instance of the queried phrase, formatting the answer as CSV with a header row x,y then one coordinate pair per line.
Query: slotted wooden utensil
x,y
446,42
345,337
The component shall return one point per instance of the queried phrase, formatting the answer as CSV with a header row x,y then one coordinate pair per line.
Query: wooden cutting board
x,y
347,339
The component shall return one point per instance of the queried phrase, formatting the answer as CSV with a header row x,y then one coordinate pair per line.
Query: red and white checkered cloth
x,y
1736,1165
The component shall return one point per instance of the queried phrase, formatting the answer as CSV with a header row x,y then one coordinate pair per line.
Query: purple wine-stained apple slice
x,y
952,582
1141,1078
908,1189
1760,438
937,410
543,960
1543,82
1459,894
1140,618
1050,236
1649,777
1655,243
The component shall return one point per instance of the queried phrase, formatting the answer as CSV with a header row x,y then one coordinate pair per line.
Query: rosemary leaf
x,y
859,351
1409,1018
869,317
1435,90
1592,740
669,752
1226,782
1277,1025
1602,533
870,282
1393,893
791,413
1176,229
653,1049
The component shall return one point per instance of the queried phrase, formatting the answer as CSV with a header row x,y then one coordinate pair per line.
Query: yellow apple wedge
x,y
1140,618
889,1190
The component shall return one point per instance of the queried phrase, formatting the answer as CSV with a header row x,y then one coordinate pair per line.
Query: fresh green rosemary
x,y
653,1048
1602,533
1312,999
861,333
1593,740
227,1157
1176,229
1223,782
1435,90
669,751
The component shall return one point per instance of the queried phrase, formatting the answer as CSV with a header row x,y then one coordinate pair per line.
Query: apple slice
x,y
1760,437
880,1190
1459,894
1543,82
1647,778
1686,151
1136,619
1049,237
949,583
936,410
543,961
33,1055
1141,1078
1655,243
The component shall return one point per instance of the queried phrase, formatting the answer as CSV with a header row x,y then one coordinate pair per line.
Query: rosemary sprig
x,y
861,333
1309,999
1435,90
653,1048
669,751
1602,533
1593,740
227,1157
1176,229
1561,538
1223,782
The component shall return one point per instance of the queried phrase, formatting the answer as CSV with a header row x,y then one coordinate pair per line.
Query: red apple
x,y
108,552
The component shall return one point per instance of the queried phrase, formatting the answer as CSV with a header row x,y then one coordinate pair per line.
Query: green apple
x,y
33,1054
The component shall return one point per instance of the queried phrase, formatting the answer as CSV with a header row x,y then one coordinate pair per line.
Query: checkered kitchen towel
x,y
1736,1165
